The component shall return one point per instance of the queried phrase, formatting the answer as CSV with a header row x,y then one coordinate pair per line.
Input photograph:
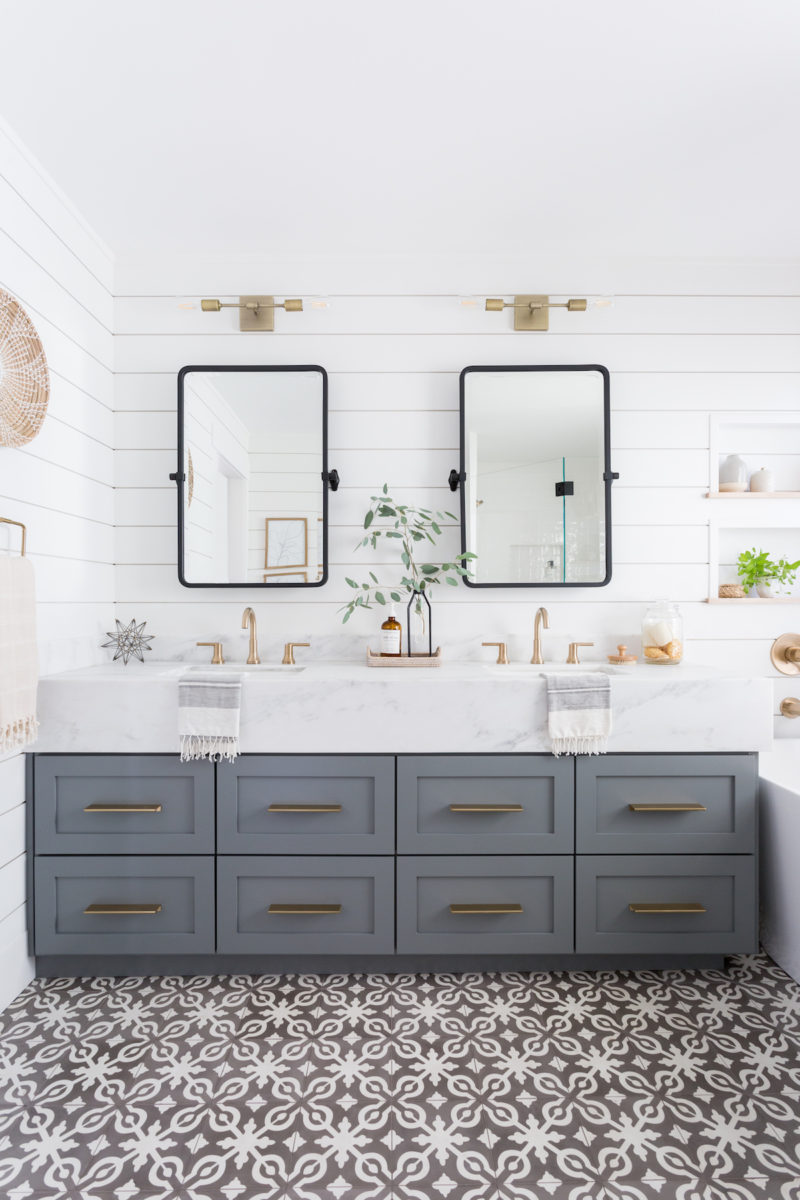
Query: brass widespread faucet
x,y
540,619
249,618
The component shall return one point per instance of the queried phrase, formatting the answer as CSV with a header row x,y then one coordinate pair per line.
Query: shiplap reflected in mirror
x,y
252,449
536,477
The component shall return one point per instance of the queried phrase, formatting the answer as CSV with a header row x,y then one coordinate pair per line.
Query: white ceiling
x,y
595,127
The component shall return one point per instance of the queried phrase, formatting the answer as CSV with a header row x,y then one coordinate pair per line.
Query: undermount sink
x,y
534,669
251,669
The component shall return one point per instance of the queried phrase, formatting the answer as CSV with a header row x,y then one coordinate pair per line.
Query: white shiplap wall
x,y
61,484
682,341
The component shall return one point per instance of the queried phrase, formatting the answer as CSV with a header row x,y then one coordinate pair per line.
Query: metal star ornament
x,y
128,640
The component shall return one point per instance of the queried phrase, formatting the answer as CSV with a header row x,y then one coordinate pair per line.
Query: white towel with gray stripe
x,y
579,713
208,716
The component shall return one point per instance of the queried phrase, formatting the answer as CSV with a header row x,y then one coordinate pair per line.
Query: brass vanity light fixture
x,y
256,313
532,313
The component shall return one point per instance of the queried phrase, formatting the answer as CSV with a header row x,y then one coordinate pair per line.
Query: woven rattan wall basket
x,y
24,378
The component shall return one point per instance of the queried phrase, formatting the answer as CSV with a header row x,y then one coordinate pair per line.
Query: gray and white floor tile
x,y
673,1085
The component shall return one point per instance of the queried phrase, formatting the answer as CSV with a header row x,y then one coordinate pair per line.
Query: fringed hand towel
x,y
208,716
579,713
19,661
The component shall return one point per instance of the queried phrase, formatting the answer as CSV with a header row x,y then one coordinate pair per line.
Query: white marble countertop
x,y
347,707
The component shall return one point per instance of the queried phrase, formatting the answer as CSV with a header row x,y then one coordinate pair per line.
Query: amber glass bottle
x,y
391,636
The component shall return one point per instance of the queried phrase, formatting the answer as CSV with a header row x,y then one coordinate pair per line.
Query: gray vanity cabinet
x,y
314,804
123,804
666,804
495,904
322,905
484,804
124,905
678,904
350,861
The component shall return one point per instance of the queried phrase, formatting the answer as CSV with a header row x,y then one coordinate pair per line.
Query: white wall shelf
x,y
753,495
763,439
753,600
732,531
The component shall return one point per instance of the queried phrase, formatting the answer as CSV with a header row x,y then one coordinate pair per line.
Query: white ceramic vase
x,y
762,480
733,474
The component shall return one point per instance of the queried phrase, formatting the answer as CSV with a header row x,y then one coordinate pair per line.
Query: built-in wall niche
x,y
778,534
769,440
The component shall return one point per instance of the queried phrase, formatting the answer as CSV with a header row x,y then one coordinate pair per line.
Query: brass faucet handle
x,y
288,652
502,653
572,657
216,657
790,707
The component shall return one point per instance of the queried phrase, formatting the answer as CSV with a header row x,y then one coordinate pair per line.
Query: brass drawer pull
x,y
471,910
667,808
304,910
122,808
304,808
486,808
680,907
122,910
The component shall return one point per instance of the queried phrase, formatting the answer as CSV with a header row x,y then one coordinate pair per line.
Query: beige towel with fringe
x,y
19,660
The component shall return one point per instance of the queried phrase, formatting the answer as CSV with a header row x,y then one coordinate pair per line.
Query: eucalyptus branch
x,y
410,527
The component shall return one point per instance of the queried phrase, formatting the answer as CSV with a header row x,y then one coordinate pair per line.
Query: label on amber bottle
x,y
390,641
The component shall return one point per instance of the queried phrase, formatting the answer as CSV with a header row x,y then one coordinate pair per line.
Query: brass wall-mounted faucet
x,y
540,619
249,619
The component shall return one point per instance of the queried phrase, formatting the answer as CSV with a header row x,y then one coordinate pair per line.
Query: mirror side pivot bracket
x,y
332,479
177,477
455,478
610,476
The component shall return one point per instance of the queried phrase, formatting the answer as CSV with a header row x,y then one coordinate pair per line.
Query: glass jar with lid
x,y
662,633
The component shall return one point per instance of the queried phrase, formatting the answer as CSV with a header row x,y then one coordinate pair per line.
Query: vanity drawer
x,y
478,804
123,804
719,888
536,889
342,904
667,803
293,804
176,894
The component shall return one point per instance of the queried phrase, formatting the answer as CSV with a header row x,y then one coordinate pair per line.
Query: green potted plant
x,y
757,570
412,529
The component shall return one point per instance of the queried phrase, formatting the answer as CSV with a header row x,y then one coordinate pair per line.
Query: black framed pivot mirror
x,y
535,476
253,476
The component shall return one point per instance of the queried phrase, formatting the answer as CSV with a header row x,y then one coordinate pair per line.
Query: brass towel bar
x,y
8,521
122,910
122,808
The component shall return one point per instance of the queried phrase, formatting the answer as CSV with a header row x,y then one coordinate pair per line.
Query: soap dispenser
x,y
391,636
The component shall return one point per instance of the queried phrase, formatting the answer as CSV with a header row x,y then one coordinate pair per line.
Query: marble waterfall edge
x,y
344,708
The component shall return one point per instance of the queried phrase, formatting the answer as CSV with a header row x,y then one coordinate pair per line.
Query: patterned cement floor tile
x,y
613,1085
